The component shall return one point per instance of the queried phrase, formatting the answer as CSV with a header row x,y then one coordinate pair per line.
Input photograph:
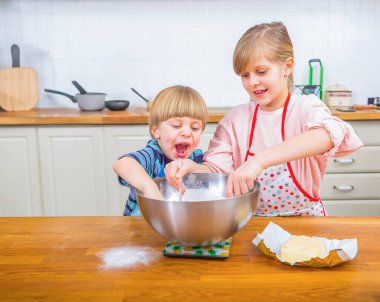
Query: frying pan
x,y
115,105
90,101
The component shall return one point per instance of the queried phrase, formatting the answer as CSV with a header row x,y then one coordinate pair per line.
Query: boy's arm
x,y
132,172
173,173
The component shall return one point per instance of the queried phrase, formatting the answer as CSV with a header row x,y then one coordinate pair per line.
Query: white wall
x,y
110,46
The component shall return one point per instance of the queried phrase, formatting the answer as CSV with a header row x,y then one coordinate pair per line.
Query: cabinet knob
x,y
344,188
344,161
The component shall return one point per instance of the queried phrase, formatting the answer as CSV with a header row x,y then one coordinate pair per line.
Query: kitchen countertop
x,y
56,259
365,114
74,116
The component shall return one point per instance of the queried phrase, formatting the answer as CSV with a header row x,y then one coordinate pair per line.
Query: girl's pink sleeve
x,y
219,156
342,134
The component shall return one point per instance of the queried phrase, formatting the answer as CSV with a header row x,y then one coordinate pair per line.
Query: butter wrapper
x,y
271,240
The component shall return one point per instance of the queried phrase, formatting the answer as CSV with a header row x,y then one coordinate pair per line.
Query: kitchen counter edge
x,y
132,116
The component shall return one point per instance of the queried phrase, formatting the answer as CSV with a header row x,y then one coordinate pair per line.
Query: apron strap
x,y
288,163
248,153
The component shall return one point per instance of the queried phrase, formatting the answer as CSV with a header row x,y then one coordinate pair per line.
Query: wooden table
x,y
56,259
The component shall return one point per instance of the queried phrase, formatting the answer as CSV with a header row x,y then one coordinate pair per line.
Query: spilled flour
x,y
127,257
198,195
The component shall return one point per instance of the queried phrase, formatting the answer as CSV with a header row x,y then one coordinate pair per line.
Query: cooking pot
x,y
114,105
205,216
90,101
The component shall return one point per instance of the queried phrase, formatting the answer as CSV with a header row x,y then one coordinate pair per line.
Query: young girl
x,y
177,119
281,140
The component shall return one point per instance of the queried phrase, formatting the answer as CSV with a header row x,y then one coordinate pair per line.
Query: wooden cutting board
x,y
18,86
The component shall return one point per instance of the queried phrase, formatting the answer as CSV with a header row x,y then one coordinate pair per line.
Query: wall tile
x,y
113,45
352,5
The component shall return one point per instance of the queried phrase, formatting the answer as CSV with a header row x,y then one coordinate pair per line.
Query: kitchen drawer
x,y
368,131
364,160
351,186
352,207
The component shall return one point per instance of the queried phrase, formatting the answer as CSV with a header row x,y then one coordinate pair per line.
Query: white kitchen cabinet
x,y
72,170
351,185
360,207
361,161
119,140
67,170
207,136
20,186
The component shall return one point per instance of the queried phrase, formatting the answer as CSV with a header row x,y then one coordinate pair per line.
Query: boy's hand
x,y
242,179
153,192
173,173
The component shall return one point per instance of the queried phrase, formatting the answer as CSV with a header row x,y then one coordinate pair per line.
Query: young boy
x,y
177,119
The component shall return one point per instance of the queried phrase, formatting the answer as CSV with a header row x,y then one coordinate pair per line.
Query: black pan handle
x,y
71,97
315,61
140,95
15,52
79,87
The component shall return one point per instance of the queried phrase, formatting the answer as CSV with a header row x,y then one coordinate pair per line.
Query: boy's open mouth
x,y
181,149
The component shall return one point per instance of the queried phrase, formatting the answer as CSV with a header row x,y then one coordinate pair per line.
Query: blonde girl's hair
x,y
269,39
178,101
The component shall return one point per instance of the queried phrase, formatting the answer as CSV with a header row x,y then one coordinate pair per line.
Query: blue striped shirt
x,y
153,161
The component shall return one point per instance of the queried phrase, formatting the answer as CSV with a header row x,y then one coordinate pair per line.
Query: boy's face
x,y
266,82
178,137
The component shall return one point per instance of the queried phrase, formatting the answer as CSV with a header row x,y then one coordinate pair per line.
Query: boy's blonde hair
x,y
269,39
178,101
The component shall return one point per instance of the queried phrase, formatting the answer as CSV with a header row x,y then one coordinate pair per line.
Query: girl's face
x,y
266,82
178,137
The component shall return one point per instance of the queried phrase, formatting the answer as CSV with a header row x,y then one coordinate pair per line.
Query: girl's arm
x,y
309,143
306,144
132,172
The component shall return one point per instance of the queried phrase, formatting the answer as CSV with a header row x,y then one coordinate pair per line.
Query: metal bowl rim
x,y
256,185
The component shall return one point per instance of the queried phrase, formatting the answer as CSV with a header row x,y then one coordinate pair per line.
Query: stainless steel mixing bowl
x,y
205,216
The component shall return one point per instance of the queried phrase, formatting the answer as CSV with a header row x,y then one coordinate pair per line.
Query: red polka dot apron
x,y
280,193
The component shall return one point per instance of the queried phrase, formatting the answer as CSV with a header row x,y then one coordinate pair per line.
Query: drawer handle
x,y
344,161
344,188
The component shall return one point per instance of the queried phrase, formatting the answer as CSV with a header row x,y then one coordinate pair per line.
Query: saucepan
x,y
89,101
204,216
115,105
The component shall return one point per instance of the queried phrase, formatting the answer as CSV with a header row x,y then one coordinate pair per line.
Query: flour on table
x,y
127,257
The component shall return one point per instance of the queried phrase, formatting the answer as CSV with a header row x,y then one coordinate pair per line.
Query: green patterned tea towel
x,y
220,250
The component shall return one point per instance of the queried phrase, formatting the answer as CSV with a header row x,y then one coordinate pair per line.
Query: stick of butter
x,y
302,248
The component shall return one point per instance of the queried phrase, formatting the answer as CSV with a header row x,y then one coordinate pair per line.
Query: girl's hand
x,y
242,179
173,173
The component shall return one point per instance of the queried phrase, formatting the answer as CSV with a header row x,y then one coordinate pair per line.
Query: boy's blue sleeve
x,y
197,156
145,157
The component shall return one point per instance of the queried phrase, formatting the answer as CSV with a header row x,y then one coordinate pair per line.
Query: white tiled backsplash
x,y
110,46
